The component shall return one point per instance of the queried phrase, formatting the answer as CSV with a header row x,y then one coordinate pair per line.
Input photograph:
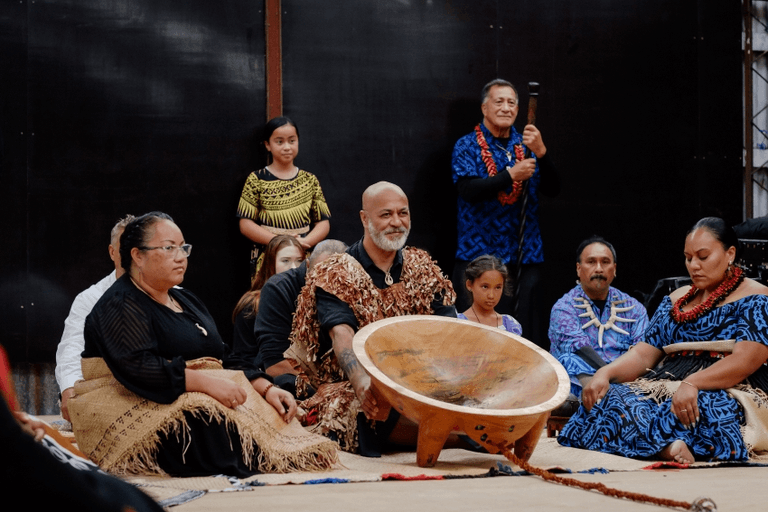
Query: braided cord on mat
x,y
698,505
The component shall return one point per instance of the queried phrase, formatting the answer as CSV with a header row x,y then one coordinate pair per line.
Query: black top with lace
x,y
146,345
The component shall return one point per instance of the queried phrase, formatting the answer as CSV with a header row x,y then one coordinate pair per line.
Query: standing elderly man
x,y
594,323
72,341
376,278
490,170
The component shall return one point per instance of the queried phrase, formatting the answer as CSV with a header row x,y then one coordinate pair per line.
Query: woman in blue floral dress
x,y
705,397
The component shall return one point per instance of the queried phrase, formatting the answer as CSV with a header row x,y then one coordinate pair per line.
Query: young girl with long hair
x,y
485,279
283,252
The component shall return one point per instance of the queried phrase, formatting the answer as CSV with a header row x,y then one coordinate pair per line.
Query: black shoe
x,y
567,408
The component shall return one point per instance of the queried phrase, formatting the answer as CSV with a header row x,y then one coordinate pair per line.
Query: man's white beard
x,y
385,244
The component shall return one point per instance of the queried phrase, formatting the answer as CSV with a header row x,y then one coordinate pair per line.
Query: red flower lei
x,y
729,284
490,165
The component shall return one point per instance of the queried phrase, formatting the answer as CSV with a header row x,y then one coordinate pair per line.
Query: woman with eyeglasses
x,y
175,406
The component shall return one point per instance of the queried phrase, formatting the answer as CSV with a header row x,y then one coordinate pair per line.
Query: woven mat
x,y
452,463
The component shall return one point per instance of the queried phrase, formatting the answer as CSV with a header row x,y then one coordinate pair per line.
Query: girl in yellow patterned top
x,y
281,198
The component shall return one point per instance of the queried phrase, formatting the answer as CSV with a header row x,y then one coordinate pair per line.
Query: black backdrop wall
x,y
124,106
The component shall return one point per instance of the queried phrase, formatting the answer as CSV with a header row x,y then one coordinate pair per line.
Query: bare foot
x,y
677,451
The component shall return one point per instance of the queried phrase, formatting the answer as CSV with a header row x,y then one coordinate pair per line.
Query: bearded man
x,y
376,278
594,323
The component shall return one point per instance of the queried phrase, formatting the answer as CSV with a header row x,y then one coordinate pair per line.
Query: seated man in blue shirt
x,y
376,278
594,323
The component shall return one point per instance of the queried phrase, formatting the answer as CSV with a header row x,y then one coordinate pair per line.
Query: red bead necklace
x,y
729,284
490,165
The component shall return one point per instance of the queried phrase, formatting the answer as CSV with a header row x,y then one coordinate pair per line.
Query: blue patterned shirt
x,y
567,336
487,226
565,326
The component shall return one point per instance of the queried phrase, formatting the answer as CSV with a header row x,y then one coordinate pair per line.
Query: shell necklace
x,y
610,324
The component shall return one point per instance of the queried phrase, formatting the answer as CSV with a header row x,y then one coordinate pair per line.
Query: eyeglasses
x,y
185,249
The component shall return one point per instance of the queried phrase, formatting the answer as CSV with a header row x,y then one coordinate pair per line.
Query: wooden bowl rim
x,y
563,388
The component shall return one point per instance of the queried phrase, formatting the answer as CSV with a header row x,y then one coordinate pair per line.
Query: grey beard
x,y
385,244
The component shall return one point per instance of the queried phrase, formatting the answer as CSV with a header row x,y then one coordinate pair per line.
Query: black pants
x,y
209,448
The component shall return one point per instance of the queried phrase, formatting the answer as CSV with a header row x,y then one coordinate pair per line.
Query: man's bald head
x,y
376,190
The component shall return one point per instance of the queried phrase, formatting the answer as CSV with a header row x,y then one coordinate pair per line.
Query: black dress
x,y
146,346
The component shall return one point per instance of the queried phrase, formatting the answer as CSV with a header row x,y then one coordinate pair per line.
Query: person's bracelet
x,y
266,390
692,385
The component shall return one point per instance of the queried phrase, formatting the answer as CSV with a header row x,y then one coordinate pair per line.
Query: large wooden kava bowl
x,y
450,375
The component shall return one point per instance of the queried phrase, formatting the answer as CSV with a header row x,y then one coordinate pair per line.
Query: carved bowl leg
x,y
433,433
525,445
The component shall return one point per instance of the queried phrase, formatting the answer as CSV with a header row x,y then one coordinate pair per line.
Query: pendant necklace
x,y
173,306
388,277
480,321
508,153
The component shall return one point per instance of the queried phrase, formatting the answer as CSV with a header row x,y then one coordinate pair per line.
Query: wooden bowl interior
x,y
462,364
